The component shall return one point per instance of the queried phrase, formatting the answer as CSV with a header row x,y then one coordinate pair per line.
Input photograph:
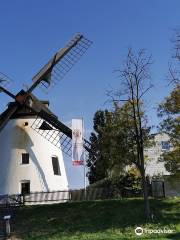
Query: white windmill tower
x,y
29,161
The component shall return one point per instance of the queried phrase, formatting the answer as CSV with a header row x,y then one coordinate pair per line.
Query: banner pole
x,y
84,179
84,163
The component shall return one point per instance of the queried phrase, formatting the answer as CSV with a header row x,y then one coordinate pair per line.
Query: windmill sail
x,y
4,80
57,133
61,63
5,116
47,124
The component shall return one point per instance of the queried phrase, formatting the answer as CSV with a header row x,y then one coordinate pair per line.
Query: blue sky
x,y
32,31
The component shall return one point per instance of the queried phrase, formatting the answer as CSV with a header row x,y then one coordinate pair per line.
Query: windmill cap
x,y
45,102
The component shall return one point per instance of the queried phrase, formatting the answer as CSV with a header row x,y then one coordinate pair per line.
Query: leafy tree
x,y
104,150
97,163
123,133
170,110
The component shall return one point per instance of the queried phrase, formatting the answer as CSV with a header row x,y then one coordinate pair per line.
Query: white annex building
x,y
28,162
154,167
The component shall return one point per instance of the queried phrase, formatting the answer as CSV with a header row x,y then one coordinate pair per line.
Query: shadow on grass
x,y
174,236
67,219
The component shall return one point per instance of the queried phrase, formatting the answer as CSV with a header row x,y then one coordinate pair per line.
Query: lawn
x,y
97,220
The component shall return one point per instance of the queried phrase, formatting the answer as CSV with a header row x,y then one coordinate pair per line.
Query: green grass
x,y
97,220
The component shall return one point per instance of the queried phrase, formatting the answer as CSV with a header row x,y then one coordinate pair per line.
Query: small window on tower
x,y
26,124
55,164
25,187
25,158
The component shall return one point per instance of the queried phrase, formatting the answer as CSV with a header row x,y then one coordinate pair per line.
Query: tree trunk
x,y
145,195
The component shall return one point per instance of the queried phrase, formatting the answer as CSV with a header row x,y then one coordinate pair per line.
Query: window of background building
x,y
165,145
55,164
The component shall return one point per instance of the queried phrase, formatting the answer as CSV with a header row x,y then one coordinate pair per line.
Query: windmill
x,y
31,161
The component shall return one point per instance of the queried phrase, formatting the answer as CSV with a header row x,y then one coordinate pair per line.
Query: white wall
x,y
153,166
16,139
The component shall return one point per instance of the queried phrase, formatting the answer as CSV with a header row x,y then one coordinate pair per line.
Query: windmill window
x,y
26,124
55,164
25,158
25,187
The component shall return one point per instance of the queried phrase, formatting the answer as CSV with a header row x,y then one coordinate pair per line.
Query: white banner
x,y
77,142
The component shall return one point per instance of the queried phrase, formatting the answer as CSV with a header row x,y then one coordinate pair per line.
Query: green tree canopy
x,y
113,143
169,110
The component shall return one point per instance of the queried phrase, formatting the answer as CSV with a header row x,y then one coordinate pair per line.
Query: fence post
x,y
23,198
69,195
163,185
7,225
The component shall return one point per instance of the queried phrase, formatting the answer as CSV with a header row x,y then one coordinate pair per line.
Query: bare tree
x,y
135,83
174,73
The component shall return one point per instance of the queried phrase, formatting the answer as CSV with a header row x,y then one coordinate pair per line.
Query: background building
x,y
164,183
154,166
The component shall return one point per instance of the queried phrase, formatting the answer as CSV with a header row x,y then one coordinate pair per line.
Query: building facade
x,y
161,143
